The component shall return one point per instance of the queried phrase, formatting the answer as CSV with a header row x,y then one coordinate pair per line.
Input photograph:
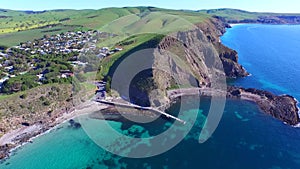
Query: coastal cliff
x,y
203,55
213,29
201,50
282,107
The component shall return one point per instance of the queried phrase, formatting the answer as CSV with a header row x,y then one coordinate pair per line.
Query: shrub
x,y
46,103
23,96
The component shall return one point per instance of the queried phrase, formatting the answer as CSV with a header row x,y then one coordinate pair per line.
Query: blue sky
x,y
291,6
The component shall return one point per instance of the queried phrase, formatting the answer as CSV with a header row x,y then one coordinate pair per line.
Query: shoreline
x,y
283,107
73,114
259,97
16,139
236,24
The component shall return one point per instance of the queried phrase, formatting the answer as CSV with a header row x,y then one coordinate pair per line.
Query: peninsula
x,y
38,90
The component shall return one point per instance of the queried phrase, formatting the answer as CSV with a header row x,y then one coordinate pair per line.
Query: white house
x,y
2,81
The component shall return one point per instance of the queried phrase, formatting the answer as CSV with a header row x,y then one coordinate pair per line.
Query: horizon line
x,y
194,10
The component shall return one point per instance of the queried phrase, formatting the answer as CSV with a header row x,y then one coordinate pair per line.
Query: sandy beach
x,y
21,136
236,24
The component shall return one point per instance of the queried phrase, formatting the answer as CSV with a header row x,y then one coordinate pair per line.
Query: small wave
x,y
297,125
298,103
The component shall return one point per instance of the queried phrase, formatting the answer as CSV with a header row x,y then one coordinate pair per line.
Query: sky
x,y
280,6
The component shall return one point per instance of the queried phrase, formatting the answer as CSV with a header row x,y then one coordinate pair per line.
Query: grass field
x,y
232,14
130,43
12,39
19,26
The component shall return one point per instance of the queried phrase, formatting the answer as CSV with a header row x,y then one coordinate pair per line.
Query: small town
x,y
58,53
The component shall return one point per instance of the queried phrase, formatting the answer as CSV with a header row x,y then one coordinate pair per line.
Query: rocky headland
x,y
202,50
283,107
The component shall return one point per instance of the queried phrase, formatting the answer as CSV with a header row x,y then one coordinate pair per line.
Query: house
x,y
23,73
9,68
66,73
101,55
118,48
3,55
111,52
2,81
41,77
79,63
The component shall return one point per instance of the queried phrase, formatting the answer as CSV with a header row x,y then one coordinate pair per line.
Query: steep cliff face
x,y
190,58
206,60
200,49
194,58
213,29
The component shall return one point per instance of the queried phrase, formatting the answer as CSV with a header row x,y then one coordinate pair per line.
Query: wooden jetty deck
x,y
142,108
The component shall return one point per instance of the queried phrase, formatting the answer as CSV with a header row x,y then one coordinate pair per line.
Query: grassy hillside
x,y
130,45
18,26
232,14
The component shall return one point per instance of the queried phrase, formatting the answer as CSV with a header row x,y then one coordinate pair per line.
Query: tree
x,y
108,85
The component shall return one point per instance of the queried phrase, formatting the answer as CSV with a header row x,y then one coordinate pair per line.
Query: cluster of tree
x,y
50,66
92,60
19,83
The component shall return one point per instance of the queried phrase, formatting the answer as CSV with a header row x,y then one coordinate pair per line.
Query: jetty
x,y
129,105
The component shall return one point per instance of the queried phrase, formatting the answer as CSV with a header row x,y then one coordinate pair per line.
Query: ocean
x,y
246,138
270,53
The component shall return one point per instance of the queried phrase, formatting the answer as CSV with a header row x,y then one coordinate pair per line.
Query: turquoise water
x,y
271,53
245,138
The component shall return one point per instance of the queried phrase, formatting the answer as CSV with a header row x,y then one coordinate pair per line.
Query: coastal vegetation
x,y
130,45
48,64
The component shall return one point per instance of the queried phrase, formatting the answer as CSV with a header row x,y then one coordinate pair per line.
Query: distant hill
x,y
241,16
18,26
27,25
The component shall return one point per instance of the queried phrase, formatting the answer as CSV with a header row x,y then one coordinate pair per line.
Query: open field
x,y
12,39
20,26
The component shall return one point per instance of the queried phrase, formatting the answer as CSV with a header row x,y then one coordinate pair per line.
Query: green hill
x,y
236,15
18,26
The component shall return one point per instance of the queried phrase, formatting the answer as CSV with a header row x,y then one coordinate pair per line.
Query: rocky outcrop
x,y
74,124
4,150
282,107
229,59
